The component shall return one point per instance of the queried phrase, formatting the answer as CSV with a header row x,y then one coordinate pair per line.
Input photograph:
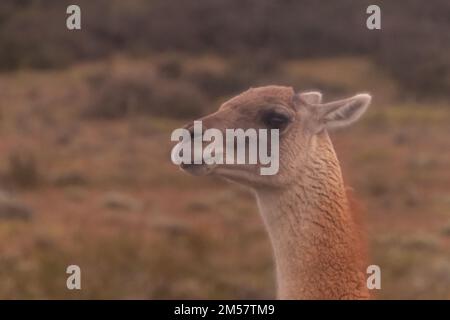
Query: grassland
x,y
104,195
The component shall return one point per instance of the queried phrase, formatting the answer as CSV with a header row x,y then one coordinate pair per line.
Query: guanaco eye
x,y
275,120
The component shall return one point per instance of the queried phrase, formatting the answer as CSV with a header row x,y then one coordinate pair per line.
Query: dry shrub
x,y
218,84
11,208
171,68
418,57
23,170
242,73
179,100
413,44
127,95
119,96
70,178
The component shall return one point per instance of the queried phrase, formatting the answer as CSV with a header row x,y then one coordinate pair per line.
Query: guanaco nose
x,y
190,128
193,134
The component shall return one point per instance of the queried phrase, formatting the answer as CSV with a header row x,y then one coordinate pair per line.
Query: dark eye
x,y
275,120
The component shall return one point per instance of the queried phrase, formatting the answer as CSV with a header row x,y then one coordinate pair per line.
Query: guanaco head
x,y
301,120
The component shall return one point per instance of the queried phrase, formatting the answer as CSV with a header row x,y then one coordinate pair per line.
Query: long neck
x,y
317,248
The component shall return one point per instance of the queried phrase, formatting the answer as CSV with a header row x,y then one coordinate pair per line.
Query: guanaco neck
x,y
317,249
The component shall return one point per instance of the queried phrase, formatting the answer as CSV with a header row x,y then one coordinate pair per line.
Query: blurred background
x,y
85,123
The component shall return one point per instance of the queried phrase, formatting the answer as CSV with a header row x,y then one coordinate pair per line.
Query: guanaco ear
x,y
311,97
341,113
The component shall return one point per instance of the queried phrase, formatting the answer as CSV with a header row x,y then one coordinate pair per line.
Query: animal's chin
x,y
197,169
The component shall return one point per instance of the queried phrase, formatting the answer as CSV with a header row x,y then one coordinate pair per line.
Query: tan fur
x,y
315,239
318,250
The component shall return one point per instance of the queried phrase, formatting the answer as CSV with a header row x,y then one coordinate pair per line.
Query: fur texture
x,y
316,240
